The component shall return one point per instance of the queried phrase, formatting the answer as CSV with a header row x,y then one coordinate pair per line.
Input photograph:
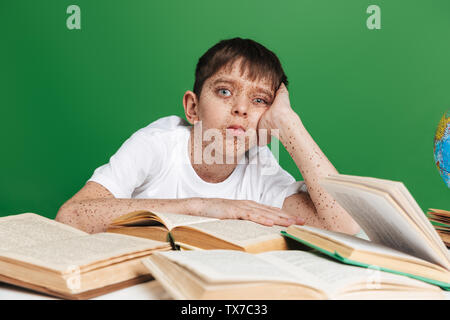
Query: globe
x,y
442,148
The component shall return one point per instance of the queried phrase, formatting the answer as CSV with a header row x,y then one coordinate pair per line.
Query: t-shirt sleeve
x,y
137,161
276,183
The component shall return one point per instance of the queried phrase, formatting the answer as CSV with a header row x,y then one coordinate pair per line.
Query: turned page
x,y
404,199
239,232
172,220
356,243
381,219
332,276
46,243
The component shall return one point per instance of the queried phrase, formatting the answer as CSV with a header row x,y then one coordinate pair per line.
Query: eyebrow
x,y
234,82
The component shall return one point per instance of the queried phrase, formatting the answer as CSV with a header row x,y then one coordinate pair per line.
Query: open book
x,y
193,232
293,274
440,219
363,253
50,257
390,217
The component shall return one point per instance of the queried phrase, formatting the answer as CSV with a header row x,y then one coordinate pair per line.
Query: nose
x,y
240,107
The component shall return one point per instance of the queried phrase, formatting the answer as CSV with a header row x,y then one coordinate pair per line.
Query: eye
x,y
259,100
224,92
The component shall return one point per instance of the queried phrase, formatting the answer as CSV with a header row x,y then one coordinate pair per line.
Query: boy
x,y
239,100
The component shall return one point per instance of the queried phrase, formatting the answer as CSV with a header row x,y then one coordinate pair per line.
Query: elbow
x,y
63,213
67,214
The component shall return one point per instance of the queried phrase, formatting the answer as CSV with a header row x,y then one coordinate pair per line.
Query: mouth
x,y
236,130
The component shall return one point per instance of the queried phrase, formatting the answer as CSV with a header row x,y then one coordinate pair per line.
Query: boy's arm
x,y
316,207
93,208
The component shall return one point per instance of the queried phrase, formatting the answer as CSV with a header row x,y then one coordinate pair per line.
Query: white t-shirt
x,y
154,163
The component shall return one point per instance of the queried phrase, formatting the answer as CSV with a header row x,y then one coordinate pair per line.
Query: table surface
x,y
150,290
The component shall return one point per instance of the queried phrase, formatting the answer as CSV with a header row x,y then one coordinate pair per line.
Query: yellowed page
x,y
292,266
30,229
225,266
172,220
79,251
405,200
361,244
49,244
334,277
240,232
378,215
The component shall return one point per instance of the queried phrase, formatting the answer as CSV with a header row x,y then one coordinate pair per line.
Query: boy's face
x,y
229,99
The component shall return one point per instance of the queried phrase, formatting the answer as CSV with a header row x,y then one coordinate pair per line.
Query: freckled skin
x,y
317,207
94,207
243,102
237,100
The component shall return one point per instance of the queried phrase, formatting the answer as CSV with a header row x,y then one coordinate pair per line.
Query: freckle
x,y
318,165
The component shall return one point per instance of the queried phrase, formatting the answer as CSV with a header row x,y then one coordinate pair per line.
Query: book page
x,y
30,229
332,276
240,232
80,250
225,266
172,220
360,244
404,199
288,266
379,217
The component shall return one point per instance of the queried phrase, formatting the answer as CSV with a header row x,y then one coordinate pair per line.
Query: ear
x,y
190,103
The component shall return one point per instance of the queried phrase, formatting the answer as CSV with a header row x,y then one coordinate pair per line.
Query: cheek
x,y
211,116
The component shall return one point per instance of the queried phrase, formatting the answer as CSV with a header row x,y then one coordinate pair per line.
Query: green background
x,y
371,99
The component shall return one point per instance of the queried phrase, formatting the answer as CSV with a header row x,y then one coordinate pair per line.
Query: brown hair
x,y
259,61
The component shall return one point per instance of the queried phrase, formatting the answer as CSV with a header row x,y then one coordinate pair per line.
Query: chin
x,y
235,149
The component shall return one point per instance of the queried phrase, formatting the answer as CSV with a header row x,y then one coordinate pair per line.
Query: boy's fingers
x,y
276,219
287,219
263,215
278,215
276,211
261,220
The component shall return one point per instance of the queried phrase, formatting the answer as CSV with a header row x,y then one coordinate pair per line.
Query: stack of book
x,y
405,257
440,219
53,258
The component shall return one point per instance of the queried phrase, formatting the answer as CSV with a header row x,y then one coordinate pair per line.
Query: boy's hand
x,y
272,118
243,209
